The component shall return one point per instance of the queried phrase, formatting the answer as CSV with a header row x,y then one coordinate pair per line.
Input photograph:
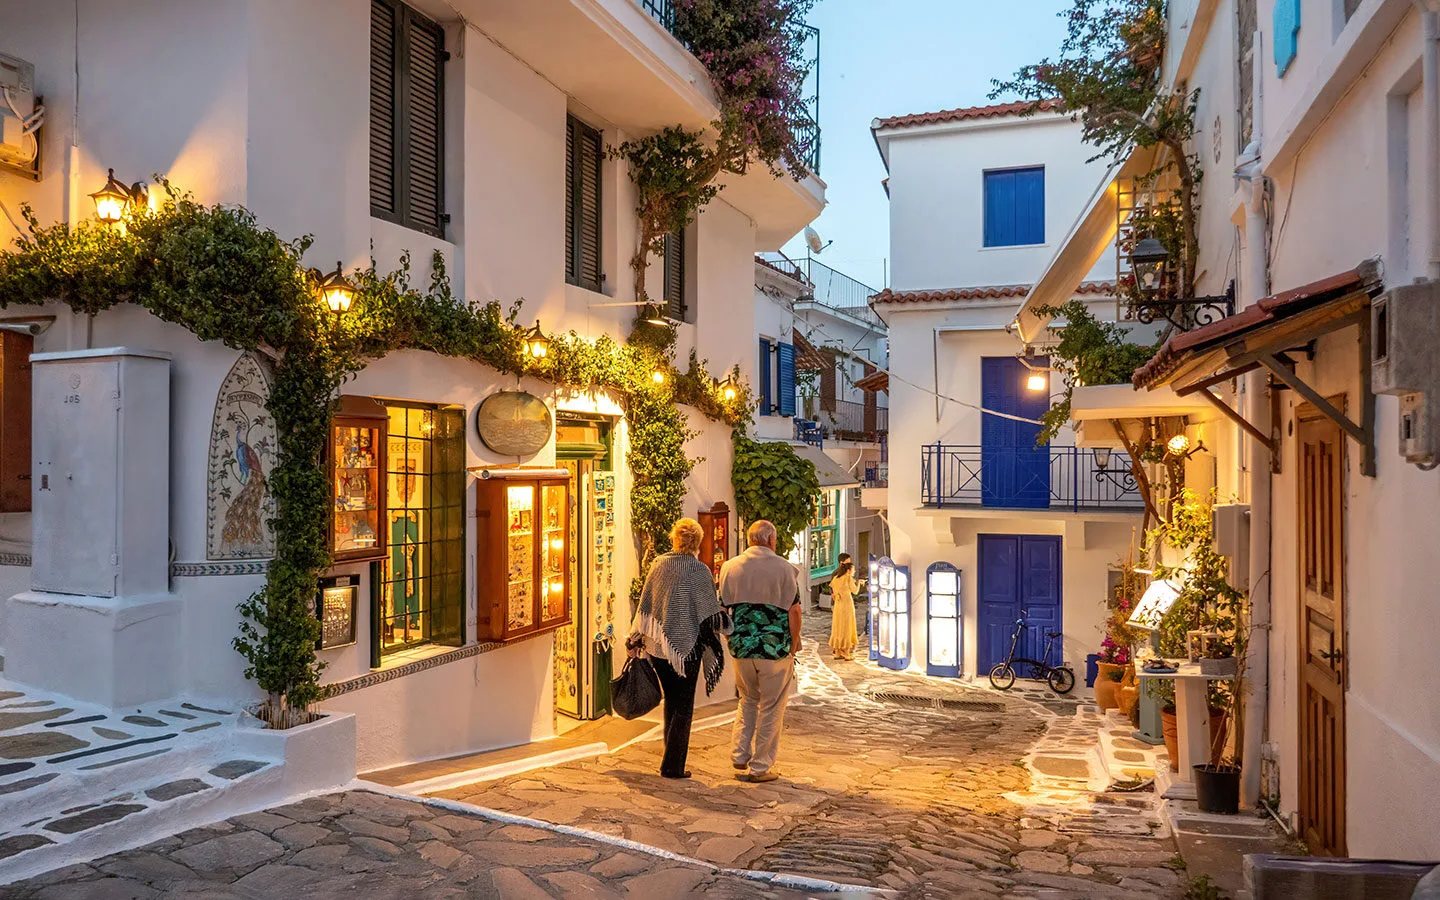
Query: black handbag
x,y
637,690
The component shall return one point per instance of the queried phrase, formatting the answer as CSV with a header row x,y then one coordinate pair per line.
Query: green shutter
x,y
583,155
384,34
407,111
447,512
675,275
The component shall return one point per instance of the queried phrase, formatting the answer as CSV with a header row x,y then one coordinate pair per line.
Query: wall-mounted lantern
x,y
1151,263
653,315
537,345
729,390
112,200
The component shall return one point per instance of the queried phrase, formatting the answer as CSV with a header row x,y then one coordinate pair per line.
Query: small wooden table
x,y
1192,712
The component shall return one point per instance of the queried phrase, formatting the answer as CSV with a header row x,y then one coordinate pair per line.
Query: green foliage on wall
x,y
215,271
1088,352
772,482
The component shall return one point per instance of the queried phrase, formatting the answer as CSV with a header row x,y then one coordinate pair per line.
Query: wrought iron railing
x,y
846,420
877,475
970,475
805,126
807,432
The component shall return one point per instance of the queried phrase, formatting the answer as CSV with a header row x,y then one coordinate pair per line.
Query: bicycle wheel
x,y
1062,680
1002,677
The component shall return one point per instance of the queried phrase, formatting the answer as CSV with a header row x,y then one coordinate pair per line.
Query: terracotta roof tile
x,y
993,292
960,115
1278,306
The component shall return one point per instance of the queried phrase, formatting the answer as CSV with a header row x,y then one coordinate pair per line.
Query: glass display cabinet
x,y
715,545
522,524
942,607
891,592
357,441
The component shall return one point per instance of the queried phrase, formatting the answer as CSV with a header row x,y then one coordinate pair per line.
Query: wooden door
x,y
1322,635
1019,574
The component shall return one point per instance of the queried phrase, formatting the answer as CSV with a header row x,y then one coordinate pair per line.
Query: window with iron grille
x,y
675,274
583,153
407,105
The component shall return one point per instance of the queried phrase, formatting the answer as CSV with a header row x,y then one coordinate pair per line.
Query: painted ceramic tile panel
x,y
242,454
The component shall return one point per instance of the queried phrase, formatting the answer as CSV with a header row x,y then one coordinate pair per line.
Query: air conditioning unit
x,y
19,118
1230,524
1404,323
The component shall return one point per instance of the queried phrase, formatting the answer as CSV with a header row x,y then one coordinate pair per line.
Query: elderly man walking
x,y
762,592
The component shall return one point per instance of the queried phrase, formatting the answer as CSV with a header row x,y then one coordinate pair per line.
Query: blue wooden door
x,y
1019,573
1014,473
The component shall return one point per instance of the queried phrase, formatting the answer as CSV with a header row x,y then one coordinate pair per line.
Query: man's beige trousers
x,y
764,687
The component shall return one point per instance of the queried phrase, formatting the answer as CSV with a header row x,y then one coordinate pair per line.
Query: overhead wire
x,y
905,381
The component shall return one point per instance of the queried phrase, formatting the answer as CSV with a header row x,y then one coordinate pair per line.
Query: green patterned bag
x,y
761,631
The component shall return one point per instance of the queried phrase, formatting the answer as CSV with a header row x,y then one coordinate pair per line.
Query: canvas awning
x,y
831,474
1260,336
1091,235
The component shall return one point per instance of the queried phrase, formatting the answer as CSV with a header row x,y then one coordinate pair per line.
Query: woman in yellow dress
x,y
843,636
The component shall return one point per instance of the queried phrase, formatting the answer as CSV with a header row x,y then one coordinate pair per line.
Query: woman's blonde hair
x,y
686,535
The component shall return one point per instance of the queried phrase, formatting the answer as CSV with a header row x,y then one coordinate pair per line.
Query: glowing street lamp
x,y
729,390
652,315
1037,382
337,291
658,376
112,200
1151,262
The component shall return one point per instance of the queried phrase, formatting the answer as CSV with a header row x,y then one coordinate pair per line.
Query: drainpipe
x,y
1256,408
1430,68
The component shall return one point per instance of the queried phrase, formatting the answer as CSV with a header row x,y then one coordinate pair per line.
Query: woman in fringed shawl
x,y
676,624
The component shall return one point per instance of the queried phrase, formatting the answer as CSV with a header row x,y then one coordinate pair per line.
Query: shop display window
x,y
524,550
825,534
357,443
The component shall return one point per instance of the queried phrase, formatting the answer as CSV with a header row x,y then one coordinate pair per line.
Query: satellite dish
x,y
812,238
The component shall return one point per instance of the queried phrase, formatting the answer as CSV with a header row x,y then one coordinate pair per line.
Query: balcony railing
x,y
828,287
847,420
1012,478
806,125
877,475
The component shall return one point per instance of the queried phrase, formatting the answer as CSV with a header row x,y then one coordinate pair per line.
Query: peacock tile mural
x,y
242,454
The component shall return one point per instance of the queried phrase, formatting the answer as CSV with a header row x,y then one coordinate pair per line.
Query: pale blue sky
x,y
880,58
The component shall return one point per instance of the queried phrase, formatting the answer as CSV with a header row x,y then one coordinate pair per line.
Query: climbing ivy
x,y
216,271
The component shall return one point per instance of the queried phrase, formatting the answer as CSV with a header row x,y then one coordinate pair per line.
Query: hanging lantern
x,y
1102,458
1151,264
653,315
729,390
337,292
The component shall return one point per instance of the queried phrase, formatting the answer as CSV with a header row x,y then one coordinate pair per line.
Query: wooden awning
x,y
1261,335
807,358
879,380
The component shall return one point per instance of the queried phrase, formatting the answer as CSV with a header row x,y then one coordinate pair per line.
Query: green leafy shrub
x,y
772,482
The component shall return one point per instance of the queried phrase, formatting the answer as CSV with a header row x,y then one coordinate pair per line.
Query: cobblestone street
x,y
936,790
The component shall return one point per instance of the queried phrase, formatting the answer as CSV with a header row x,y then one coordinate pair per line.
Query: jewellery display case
x,y
891,590
715,545
357,442
524,545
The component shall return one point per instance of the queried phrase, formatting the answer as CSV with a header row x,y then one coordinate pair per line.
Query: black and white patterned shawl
x,y
679,613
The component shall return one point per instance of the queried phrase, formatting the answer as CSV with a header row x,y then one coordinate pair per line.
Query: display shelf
x,y
522,515
357,438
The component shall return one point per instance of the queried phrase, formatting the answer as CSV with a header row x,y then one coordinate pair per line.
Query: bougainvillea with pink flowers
x,y
755,53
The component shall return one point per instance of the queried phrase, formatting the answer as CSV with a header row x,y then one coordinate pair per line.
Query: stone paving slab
x,y
437,853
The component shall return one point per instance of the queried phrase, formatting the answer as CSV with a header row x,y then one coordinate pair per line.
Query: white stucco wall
x,y
266,104
937,210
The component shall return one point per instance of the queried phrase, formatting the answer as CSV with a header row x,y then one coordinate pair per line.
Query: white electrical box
x,y
1404,325
17,103
100,482
1230,524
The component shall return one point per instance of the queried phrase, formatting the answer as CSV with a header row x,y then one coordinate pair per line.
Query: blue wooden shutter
x,y
1287,34
763,374
787,379
1015,207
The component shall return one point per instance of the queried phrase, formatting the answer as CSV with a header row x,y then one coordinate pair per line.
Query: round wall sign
x,y
514,423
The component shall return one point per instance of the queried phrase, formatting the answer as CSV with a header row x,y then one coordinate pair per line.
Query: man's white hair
x,y
761,534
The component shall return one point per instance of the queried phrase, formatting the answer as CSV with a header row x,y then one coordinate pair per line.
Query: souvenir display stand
x,y
524,549
891,589
356,445
944,625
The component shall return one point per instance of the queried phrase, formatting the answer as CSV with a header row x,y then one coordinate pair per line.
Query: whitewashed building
x,y
502,170
980,199
817,341
1317,130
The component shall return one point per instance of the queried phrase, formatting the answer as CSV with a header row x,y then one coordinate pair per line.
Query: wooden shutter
x,y
15,350
675,276
384,95
1015,207
763,374
423,135
447,542
583,153
829,388
407,106
786,379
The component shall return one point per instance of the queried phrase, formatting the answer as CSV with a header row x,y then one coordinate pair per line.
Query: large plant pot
x,y
1107,685
1092,669
1219,733
1217,789
1172,737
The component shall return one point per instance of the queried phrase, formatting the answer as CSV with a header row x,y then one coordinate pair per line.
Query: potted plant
x,y
1114,660
1208,601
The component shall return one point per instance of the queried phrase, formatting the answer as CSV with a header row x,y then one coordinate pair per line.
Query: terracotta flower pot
x,y
1107,686
1219,733
1172,737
